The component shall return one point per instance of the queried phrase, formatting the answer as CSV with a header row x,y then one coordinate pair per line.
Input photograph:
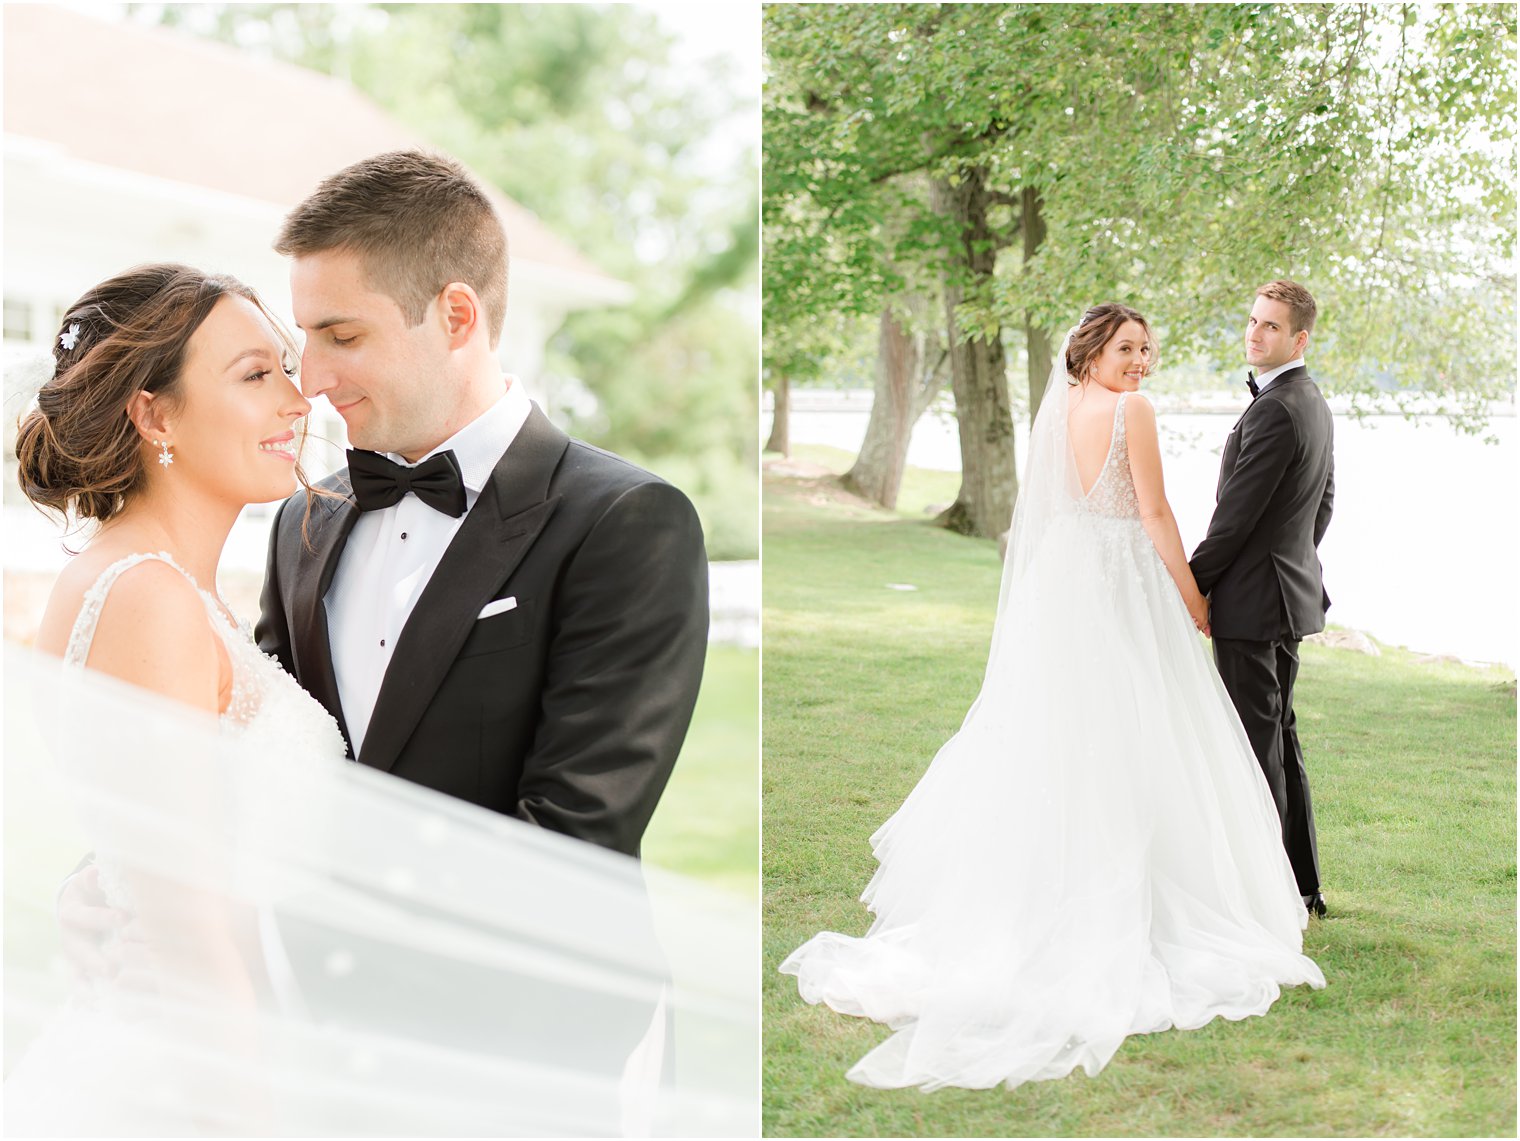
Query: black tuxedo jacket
x,y
1259,563
568,710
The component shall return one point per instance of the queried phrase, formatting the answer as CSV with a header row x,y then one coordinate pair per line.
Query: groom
x,y
487,607
496,611
1259,563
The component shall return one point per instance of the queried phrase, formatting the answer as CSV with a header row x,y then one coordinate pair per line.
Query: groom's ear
x,y
1300,342
461,310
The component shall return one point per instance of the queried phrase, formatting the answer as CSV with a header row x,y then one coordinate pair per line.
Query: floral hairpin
x,y
71,338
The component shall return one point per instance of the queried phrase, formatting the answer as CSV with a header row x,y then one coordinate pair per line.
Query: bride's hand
x,y
1198,607
86,922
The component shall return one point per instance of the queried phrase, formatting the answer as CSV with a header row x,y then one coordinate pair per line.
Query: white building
x,y
127,144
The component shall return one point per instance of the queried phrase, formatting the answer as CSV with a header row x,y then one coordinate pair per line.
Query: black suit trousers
x,y
1259,678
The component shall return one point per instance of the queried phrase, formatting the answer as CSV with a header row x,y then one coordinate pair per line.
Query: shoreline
x,y
1212,402
797,468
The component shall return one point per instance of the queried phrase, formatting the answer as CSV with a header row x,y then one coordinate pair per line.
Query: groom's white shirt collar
x,y
484,440
1266,378
392,553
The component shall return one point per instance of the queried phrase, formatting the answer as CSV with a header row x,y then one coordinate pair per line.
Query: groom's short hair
x,y
417,221
1300,302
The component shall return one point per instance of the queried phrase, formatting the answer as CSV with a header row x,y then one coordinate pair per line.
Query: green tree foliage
x,y
1178,156
577,112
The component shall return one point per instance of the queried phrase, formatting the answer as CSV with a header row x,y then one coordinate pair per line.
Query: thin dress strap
x,y
83,635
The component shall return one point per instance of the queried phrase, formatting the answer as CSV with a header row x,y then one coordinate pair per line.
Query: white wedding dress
x,y
403,963
1095,853
86,1075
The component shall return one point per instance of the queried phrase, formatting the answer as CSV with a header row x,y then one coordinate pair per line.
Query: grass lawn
x,y
708,821
1413,769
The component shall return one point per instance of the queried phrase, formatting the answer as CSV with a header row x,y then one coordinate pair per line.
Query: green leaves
x,y
581,113
1186,153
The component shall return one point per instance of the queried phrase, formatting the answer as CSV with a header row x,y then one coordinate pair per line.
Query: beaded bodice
x,y
1113,494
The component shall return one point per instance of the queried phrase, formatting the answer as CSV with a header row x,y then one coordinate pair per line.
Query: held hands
x,y
1198,607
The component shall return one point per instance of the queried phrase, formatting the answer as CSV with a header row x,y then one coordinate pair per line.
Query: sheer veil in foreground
x,y
321,949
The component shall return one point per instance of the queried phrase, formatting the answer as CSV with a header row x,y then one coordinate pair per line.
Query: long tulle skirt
x,y
1094,854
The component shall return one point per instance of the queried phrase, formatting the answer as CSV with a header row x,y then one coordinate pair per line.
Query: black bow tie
x,y
1251,384
380,483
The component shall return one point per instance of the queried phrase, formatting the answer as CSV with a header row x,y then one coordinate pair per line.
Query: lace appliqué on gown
x,y
1111,512
1113,494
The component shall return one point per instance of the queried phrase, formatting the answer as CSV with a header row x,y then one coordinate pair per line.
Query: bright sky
x,y
728,31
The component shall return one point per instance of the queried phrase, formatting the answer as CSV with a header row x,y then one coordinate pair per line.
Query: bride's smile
x,y
1124,361
283,445
236,407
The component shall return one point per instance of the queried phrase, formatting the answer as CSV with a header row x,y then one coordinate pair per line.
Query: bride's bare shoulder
x,y
1091,398
151,627
1090,414
1138,410
78,575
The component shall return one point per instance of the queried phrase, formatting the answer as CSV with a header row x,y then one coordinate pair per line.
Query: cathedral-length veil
x,y
321,949
1095,852
1050,492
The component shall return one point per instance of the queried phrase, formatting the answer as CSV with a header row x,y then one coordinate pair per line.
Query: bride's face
x,y
233,432
1125,360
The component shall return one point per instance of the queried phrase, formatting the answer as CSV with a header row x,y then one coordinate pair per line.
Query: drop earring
x,y
165,457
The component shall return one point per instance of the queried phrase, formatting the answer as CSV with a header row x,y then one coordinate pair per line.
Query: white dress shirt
x,y
391,554
1266,378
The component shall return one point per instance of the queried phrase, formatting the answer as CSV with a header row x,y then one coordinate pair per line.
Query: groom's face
x,y
382,375
1270,340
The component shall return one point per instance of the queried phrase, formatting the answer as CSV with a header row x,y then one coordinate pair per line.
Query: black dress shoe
x,y
1316,904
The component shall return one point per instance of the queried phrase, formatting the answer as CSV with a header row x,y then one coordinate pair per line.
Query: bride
x,y
298,945
1095,853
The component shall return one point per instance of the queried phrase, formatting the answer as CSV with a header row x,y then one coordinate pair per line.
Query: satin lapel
x,y
495,535
331,522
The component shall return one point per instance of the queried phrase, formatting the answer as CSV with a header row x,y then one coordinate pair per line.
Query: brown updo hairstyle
x,y
78,446
1096,329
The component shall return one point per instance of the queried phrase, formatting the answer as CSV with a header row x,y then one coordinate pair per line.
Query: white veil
x,y
328,950
1050,493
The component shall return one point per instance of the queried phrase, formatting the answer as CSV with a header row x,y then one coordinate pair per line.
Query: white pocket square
x,y
500,606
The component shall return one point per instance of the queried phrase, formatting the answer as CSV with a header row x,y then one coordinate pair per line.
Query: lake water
x,y
1421,552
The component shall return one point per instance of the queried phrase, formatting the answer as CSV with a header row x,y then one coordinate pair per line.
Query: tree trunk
x,y
1036,339
905,386
781,437
989,478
